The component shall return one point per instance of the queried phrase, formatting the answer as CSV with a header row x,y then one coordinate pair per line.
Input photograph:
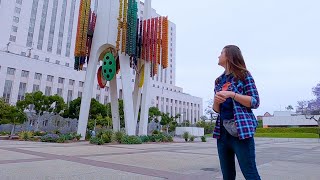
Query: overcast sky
x,y
279,40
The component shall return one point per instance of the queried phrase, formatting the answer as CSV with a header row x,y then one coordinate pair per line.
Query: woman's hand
x,y
219,99
225,94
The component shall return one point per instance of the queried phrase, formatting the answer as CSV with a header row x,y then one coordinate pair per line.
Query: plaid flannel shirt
x,y
245,120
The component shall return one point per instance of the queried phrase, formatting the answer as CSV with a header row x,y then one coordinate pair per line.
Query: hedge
x,y
314,130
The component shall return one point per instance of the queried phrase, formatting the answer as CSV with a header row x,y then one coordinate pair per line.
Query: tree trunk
x,y
12,131
37,125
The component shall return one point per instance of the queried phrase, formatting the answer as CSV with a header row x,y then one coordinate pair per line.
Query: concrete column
x,y
143,126
114,104
127,94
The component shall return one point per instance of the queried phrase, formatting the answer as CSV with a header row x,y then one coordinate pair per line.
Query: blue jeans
x,y
228,147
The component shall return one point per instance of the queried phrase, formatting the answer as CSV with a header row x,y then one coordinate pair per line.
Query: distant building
x,y
287,119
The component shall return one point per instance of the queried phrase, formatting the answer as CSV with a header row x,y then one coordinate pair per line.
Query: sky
x,y
279,41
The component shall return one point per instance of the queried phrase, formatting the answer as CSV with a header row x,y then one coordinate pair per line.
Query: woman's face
x,y
223,59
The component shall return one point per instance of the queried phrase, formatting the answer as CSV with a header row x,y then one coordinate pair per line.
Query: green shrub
x,y
192,138
314,130
155,132
39,133
203,139
50,138
88,135
78,137
170,138
62,139
96,140
152,138
118,136
25,135
106,136
131,140
185,136
56,132
144,139
4,133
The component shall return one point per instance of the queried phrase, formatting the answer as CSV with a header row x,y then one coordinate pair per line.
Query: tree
x,y
302,105
289,108
35,101
210,112
154,112
11,115
203,118
169,121
316,92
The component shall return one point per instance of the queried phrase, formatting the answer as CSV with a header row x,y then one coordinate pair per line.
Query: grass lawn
x,y
287,135
282,135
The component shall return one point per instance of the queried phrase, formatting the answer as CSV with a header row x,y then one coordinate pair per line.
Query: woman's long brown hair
x,y
235,62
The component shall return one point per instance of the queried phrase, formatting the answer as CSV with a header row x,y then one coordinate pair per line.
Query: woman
x,y
235,96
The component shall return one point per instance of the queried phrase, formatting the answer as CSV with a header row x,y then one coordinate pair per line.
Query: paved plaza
x,y
276,158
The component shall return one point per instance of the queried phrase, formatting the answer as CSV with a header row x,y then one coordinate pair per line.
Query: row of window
x,y
180,102
36,87
38,76
44,13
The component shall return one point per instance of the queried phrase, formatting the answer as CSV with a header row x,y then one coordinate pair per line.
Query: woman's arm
x,y
250,98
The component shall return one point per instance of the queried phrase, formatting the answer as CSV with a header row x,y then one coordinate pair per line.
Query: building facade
x,y
37,42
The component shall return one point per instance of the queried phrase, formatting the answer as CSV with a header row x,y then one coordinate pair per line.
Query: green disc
x,y
108,67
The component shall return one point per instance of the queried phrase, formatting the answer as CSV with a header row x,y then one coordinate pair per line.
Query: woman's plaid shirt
x,y
245,120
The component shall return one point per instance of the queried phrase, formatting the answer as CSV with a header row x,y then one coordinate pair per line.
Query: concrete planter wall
x,y
194,131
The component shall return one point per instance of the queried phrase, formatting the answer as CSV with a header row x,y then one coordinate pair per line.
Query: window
x,y
106,99
42,23
7,90
98,87
57,62
61,28
15,19
80,94
23,53
36,57
12,38
37,76
14,28
19,1
45,123
32,22
98,97
81,84
71,82
17,10
48,91
11,71
70,28
69,97
61,80
49,78
47,59
35,88
22,91
67,64
52,25
68,124
24,73
59,92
